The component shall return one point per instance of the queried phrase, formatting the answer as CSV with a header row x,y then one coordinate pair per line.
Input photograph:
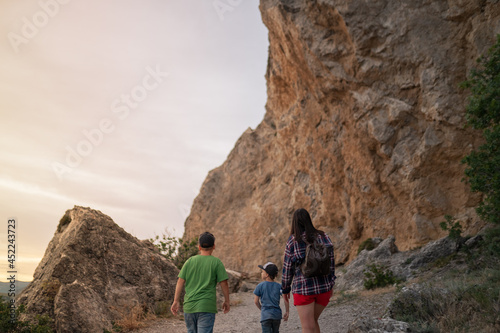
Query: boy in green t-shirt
x,y
200,275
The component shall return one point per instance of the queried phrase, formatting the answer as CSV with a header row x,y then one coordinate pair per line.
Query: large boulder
x,y
384,254
403,265
94,273
364,127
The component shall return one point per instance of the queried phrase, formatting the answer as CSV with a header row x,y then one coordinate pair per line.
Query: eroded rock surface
x,y
364,127
405,265
94,273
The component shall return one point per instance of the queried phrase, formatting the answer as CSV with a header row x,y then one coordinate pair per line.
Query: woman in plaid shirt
x,y
310,295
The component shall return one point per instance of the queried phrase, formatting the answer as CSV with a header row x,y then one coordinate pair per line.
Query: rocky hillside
x,y
364,127
94,274
428,289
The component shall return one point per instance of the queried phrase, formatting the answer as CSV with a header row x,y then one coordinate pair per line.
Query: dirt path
x,y
244,315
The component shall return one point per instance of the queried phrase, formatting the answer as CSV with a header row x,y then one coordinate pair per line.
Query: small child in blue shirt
x,y
267,299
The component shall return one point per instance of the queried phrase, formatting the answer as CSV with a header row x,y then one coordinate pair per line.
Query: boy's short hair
x,y
270,268
206,240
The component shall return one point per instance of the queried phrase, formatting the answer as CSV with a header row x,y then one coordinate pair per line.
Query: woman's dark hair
x,y
301,222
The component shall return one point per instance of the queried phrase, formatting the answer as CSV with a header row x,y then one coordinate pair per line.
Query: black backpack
x,y
316,261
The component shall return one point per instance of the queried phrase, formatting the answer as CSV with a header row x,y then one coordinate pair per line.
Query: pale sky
x,y
122,106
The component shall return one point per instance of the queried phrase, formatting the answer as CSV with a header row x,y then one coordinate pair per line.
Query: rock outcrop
x,y
404,265
94,273
364,127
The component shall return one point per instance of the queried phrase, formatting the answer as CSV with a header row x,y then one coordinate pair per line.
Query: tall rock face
x,y
94,273
364,127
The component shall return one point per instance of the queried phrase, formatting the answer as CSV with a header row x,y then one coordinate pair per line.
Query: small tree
x,y
176,249
378,276
483,112
367,244
452,226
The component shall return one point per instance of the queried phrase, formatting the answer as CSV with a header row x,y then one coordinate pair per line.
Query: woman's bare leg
x,y
306,315
317,312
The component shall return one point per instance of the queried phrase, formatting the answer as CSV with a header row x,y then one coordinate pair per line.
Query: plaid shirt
x,y
295,253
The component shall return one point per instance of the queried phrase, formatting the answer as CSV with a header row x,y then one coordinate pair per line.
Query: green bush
x,y
65,220
452,226
161,309
465,299
492,241
176,249
43,325
442,310
483,112
377,276
418,308
367,244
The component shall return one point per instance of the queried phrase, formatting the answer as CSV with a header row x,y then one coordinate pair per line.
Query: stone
x,y
364,127
385,249
383,254
474,241
94,273
434,250
248,286
235,280
411,300
378,325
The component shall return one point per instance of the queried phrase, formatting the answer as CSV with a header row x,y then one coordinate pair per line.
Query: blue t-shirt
x,y
269,293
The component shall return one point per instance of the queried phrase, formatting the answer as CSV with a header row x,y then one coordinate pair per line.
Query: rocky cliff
x,y
94,273
364,127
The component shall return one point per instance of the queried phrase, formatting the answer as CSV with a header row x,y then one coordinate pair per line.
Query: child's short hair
x,y
206,240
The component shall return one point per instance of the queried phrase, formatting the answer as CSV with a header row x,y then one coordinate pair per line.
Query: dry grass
x,y
133,317
459,296
377,291
235,301
162,309
342,297
473,305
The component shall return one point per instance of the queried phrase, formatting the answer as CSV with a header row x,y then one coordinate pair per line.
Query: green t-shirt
x,y
202,273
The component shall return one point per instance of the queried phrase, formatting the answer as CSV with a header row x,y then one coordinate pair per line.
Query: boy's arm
x,y
178,290
257,301
225,290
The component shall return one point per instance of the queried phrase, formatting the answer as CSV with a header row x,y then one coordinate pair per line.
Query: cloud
x,y
146,172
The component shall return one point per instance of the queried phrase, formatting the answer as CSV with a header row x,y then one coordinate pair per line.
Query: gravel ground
x,y
244,315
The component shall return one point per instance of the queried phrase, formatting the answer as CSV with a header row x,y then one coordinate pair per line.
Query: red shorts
x,y
321,299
